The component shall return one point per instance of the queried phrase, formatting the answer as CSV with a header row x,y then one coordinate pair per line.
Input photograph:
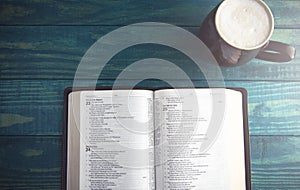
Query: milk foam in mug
x,y
237,31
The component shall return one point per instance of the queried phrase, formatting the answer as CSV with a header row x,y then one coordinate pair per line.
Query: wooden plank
x,y
35,162
30,163
183,13
275,162
32,107
54,52
35,107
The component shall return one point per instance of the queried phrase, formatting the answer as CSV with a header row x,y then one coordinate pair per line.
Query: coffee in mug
x,y
238,30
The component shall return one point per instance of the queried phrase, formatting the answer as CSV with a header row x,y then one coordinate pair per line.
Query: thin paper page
x,y
116,142
183,118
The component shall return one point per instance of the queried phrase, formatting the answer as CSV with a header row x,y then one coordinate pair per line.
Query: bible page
x,y
116,140
199,139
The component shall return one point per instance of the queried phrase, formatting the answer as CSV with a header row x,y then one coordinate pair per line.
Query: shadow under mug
x,y
229,55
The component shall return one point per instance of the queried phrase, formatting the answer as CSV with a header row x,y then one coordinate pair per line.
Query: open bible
x,y
165,139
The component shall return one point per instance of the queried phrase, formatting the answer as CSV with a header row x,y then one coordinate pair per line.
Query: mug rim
x,y
268,11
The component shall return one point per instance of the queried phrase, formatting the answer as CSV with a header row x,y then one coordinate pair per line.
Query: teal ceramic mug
x,y
237,31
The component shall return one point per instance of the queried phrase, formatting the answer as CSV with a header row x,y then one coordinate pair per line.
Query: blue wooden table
x,y
42,43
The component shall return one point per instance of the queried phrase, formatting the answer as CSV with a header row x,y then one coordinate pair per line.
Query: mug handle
x,y
277,52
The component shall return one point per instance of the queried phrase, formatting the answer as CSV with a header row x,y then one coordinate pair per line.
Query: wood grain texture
x,y
54,52
26,162
93,12
30,163
275,162
42,43
35,107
